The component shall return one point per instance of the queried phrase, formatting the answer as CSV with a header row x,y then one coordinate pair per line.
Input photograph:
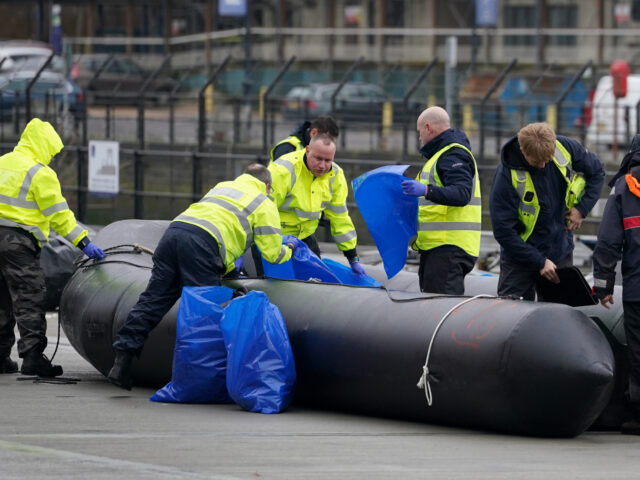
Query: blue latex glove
x,y
414,188
239,263
291,241
357,268
94,251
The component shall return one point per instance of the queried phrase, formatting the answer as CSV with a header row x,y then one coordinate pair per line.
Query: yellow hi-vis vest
x,y
301,198
529,207
446,225
291,139
30,194
236,214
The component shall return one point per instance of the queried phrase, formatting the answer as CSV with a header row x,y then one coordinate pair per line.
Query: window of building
x,y
563,16
521,16
455,14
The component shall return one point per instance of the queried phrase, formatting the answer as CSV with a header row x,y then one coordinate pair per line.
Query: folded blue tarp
x,y
390,215
307,266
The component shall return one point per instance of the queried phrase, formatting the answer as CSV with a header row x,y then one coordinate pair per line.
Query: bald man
x,y
449,209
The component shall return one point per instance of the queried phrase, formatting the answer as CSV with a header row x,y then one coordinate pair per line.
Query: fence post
x,y
82,185
202,126
486,96
141,104
565,92
27,90
265,100
405,104
138,184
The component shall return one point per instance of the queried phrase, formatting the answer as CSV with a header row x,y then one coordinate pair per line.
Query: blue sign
x,y
232,8
486,13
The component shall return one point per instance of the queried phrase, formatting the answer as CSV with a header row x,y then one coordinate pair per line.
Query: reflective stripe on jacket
x,y
236,214
301,198
444,224
30,194
291,139
529,207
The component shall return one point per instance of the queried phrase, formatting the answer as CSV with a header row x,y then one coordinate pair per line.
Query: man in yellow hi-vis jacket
x,y
307,183
198,248
449,210
31,203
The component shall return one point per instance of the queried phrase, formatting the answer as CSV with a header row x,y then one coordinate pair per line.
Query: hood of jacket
x,y
302,132
445,138
40,141
630,160
247,179
512,157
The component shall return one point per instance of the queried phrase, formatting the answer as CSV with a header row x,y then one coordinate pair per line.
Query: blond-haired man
x,y
543,188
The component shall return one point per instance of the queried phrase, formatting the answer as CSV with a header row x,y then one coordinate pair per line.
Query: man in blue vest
x,y
543,188
299,138
450,210
619,237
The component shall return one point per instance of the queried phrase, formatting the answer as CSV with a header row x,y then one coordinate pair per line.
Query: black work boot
x,y
37,364
120,373
7,365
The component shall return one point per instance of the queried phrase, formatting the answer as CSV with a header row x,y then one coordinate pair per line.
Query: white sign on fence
x,y
104,167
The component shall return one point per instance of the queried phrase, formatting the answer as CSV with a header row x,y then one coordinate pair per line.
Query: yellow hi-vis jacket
x,y
236,214
301,198
291,139
446,225
529,207
30,195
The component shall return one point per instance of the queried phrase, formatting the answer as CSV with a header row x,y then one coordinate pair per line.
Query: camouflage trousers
x,y
22,293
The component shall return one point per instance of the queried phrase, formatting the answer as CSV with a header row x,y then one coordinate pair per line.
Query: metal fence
x,y
175,145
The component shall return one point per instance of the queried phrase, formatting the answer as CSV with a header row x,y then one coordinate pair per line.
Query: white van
x,y
600,130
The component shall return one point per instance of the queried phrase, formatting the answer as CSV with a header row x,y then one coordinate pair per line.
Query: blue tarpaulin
x,y
307,266
391,216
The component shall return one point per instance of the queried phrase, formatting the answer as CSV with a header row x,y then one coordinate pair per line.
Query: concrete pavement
x,y
91,429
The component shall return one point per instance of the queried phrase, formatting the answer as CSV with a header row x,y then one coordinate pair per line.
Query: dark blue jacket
x,y
302,132
455,169
549,238
619,236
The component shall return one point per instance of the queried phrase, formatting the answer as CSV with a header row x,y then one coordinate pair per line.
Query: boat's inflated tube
x,y
513,366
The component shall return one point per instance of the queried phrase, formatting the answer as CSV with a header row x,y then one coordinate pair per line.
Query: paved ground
x,y
93,430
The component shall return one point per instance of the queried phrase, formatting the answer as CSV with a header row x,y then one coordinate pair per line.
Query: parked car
x,y
21,55
122,75
355,102
51,90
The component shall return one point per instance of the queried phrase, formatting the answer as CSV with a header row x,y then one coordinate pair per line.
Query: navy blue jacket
x,y
455,169
549,238
302,132
619,236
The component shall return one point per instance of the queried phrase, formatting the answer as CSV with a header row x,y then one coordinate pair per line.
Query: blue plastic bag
x,y
261,373
200,356
390,215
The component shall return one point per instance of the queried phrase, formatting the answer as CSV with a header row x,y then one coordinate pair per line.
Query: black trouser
x,y
632,332
181,259
520,281
22,293
312,243
442,269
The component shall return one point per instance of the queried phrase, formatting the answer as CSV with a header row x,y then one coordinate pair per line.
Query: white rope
x,y
423,382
